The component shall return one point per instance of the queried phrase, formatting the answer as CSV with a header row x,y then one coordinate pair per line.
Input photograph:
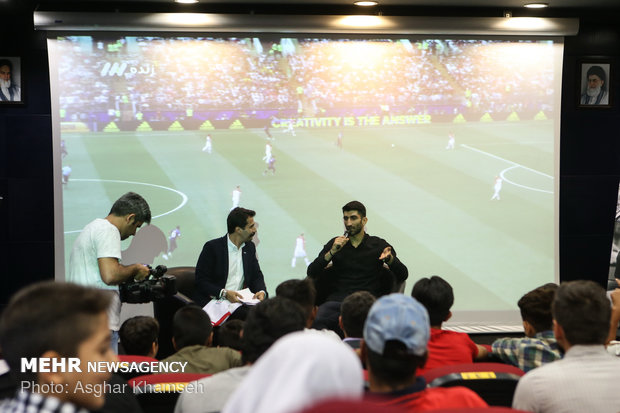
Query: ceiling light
x,y
356,22
186,1
186,19
366,3
536,5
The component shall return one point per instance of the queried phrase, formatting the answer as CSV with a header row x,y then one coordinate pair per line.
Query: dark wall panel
x,y
588,205
27,208
589,157
585,258
29,145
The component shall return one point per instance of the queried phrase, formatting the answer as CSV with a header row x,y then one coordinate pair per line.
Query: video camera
x,y
154,287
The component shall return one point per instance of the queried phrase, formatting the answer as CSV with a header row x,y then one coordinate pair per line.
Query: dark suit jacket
x,y
212,270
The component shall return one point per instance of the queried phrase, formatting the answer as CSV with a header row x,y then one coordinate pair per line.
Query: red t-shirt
x,y
448,347
437,398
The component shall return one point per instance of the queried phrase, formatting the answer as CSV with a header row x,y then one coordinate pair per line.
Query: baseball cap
x,y
397,317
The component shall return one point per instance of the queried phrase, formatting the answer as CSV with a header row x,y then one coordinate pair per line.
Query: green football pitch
x,y
431,203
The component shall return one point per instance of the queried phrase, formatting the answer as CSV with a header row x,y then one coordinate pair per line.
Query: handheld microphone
x,y
346,234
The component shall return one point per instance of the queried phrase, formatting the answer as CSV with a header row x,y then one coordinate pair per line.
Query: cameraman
x,y
95,257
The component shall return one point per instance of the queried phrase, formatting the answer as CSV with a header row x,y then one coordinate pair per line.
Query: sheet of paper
x,y
247,297
220,310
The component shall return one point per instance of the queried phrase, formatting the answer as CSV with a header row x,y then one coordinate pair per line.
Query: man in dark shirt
x,y
353,262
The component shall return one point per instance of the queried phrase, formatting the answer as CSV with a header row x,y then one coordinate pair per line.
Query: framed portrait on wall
x,y
595,84
11,88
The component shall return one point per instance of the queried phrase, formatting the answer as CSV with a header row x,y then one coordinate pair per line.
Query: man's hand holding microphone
x,y
339,242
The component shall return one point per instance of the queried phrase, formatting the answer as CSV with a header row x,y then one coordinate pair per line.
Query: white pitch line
x,y
501,174
181,205
506,160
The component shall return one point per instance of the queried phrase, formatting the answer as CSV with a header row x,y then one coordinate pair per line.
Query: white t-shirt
x,y
98,239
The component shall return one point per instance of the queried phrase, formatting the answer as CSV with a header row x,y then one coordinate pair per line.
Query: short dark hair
x,y
436,295
46,316
535,307
138,334
354,310
229,334
266,322
191,326
132,203
394,367
238,217
600,73
303,292
583,311
355,206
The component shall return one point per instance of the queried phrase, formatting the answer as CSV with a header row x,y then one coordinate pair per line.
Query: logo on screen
x,y
123,69
112,69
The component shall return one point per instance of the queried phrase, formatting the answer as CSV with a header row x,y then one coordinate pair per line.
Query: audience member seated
x,y
56,320
229,334
265,323
303,293
192,334
445,347
299,369
586,379
539,345
353,313
395,343
139,336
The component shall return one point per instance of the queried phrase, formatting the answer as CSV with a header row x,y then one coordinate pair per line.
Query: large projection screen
x,y
359,118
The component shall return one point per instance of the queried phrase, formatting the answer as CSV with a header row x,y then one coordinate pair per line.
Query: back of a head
x,y
298,370
138,334
229,334
354,310
238,217
535,307
48,316
302,292
266,322
396,336
436,295
191,326
132,203
355,206
583,311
